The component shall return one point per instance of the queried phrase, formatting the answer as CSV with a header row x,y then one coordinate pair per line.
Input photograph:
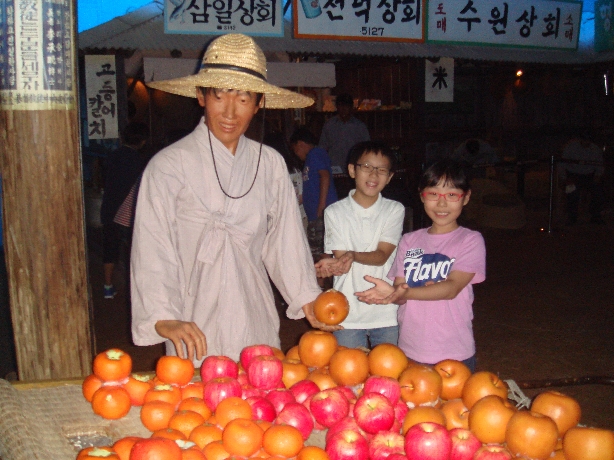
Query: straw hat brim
x,y
275,97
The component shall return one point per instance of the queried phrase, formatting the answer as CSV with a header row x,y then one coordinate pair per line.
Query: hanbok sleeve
x,y
154,274
286,253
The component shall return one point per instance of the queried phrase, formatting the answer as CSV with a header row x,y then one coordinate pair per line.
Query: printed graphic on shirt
x,y
306,174
420,268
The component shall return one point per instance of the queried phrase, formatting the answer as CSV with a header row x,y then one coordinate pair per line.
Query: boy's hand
x,y
325,267
311,317
345,262
379,294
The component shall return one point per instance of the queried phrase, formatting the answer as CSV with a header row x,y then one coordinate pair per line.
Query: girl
x,y
433,272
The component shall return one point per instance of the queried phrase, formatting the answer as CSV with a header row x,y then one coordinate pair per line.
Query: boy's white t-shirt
x,y
350,227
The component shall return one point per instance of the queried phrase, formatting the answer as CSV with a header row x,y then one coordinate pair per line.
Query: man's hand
x,y
382,293
311,317
184,333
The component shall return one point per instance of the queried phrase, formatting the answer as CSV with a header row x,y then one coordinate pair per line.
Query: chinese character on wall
x,y
101,91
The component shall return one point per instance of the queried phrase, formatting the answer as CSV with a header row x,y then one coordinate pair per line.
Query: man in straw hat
x,y
217,216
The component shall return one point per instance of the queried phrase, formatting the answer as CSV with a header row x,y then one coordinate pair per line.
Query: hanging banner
x,y
604,28
249,17
101,93
382,20
439,78
519,23
36,55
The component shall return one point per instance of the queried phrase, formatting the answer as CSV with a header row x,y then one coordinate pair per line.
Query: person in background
x,y
217,220
582,173
278,141
478,157
362,233
318,188
341,132
433,272
123,169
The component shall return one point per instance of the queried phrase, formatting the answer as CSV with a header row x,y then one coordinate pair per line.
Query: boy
x,y
362,233
318,188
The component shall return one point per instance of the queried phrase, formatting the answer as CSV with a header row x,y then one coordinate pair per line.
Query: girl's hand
x,y
377,294
325,267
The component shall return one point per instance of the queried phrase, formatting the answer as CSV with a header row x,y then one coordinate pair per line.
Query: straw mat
x,y
54,422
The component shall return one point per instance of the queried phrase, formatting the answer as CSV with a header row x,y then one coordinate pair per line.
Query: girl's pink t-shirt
x,y
433,330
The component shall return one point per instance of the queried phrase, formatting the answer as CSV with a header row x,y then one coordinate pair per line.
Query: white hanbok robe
x,y
200,256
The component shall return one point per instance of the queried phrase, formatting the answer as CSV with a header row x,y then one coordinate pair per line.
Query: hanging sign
x,y
36,55
520,23
381,20
439,78
101,93
249,17
604,27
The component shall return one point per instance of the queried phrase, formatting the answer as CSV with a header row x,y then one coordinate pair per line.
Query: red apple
x,y
329,406
464,444
218,366
454,374
242,377
279,397
303,389
220,388
298,416
247,391
396,456
387,386
374,412
347,392
480,384
400,411
492,452
428,440
383,444
347,445
251,351
420,385
265,372
262,408
346,423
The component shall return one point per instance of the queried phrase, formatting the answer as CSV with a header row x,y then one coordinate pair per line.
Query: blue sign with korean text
x,y
518,23
382,20
249,17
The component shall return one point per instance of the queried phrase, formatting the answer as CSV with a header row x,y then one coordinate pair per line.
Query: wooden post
x,y
43,192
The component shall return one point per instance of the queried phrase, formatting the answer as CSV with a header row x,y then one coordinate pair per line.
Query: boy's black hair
x,y
303,134
376,147
449,170
134,133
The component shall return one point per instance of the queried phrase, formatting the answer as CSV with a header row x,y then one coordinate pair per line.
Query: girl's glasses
x,y
450,196
366,167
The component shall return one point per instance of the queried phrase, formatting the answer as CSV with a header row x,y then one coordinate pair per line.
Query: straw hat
x,y
234,61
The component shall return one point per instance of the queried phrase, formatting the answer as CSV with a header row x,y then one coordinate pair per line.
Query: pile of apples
x,y
377,405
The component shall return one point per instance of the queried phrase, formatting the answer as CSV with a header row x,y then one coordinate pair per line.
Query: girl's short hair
x,y
450,171
376,147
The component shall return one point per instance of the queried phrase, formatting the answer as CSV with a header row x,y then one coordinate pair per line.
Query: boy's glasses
x,y
450,196
366,167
